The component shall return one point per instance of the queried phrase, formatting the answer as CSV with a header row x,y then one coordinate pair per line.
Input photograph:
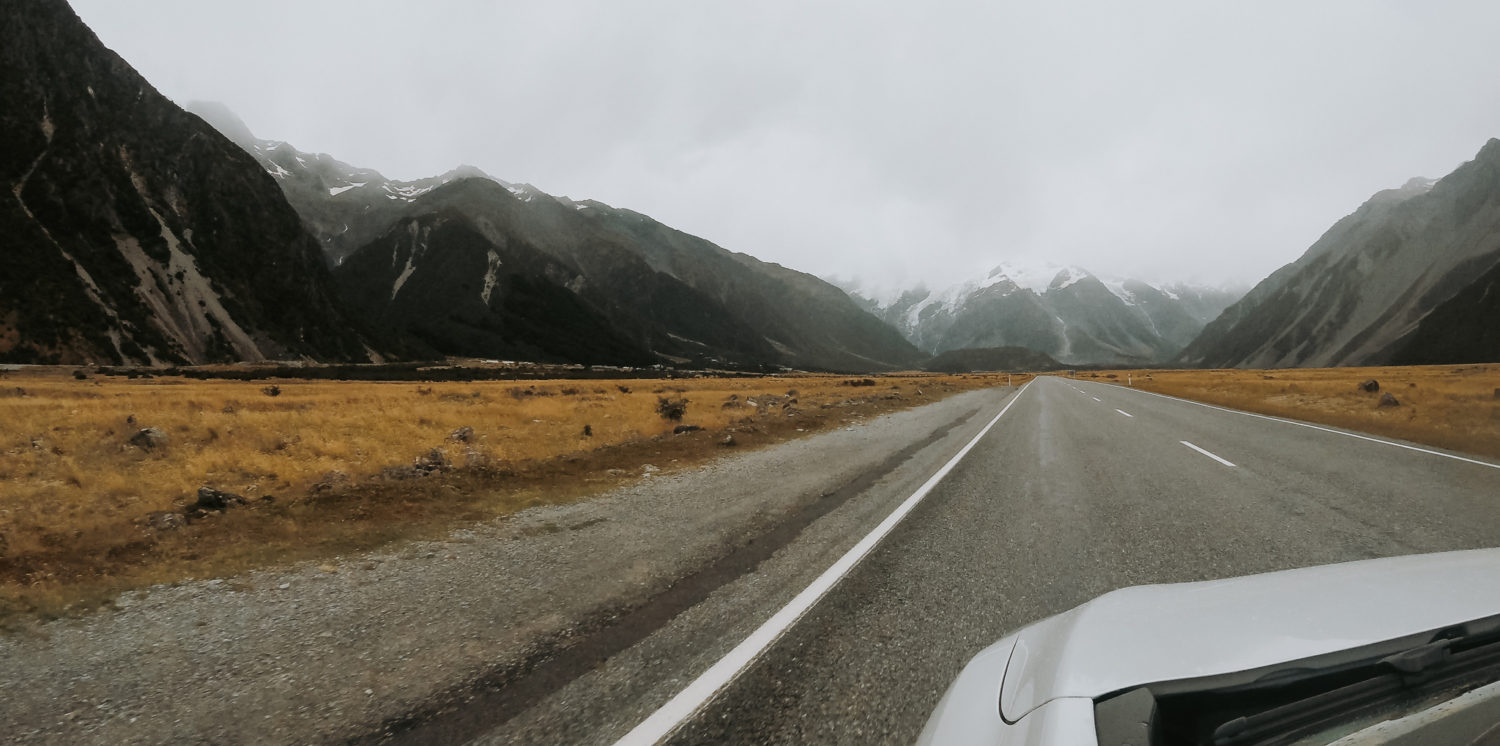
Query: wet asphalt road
x,y
1080,489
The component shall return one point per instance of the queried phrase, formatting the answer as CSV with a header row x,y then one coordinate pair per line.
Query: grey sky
x,y
892,141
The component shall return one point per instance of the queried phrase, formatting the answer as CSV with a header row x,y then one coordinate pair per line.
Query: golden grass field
x,y
1449,406
74,493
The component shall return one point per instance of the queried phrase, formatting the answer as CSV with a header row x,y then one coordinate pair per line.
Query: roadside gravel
x,y
331,652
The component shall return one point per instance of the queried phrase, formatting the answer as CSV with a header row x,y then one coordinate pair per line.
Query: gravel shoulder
x,y
342,651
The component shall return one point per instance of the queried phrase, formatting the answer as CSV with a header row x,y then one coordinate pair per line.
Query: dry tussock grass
x,y
1450,406
74,492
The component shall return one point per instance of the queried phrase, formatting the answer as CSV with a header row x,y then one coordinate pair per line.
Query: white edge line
x,y
1324,429
1225,462
1127,414
680,708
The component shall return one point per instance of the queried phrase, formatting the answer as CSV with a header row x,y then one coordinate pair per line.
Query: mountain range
x,y
1067,313
473,265
139,233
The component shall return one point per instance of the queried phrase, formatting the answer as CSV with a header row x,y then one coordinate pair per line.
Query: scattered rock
x,y
149,439
462,435
475,459
617,472
130,420
1369,386
434,460
272,390
857,382
164,520
81,375
1386,400
328,568
680,429
649,469
330,481
623,389
588,431
728,441
212,499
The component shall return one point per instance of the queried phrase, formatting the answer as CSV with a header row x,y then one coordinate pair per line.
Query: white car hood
x,y
1153,633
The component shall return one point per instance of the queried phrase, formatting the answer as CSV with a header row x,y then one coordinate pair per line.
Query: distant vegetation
x,y
993,359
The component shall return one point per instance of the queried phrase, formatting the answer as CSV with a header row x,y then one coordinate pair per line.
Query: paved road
x,y
1079,489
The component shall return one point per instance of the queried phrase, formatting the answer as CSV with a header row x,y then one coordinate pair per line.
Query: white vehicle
x,y
1402,650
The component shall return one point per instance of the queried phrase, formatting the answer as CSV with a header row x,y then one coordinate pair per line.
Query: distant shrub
x,y
671,409
272,390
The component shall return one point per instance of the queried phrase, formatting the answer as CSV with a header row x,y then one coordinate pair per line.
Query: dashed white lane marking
x,y
689,701
1309,426
1127,414
1095,398
1206,453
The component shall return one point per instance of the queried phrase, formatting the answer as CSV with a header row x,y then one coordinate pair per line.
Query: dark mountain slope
x,y
1362,289
135,232
439,280
1463,329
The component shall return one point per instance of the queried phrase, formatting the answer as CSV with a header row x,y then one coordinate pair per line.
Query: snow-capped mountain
x,y
1066,312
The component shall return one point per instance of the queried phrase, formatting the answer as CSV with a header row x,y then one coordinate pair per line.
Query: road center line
x,y
1127,414
1310,426
1206,453
689,701
1095,398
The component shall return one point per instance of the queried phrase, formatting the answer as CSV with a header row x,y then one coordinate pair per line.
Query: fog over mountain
x,y
894,142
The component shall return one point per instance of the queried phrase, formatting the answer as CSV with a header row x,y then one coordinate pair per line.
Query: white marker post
x,y
1129,380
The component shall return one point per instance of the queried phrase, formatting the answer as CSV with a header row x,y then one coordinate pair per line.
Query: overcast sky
x,y
896,142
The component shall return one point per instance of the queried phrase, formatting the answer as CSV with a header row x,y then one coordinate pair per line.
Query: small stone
x,y
149,439
462,435
164,520
284,586
680,429
330,480
1369,386
1386,400
728,441
212,499
328,568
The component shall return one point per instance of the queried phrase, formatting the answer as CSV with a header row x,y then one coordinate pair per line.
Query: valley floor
x,y
353,646
1450,406
102,477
